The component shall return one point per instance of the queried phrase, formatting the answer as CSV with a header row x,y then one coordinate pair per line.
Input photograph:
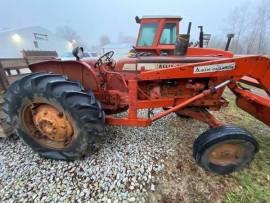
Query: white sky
x,y
92,18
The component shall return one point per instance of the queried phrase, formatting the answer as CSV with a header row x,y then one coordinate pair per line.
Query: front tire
x,y
53,115
224,149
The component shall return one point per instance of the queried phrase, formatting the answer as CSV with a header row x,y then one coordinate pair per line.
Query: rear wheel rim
x,y
47,125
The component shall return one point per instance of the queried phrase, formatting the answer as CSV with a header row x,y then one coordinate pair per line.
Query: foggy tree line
x,y
71,35
250,23
251,26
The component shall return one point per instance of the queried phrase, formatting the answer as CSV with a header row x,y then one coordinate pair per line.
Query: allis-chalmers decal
x,y
214,68
149,66
153,66
166,65
197,69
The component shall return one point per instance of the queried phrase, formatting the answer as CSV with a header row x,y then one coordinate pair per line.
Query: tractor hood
x,y
157,62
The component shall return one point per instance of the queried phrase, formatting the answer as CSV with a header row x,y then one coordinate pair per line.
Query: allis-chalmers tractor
x,y
60,109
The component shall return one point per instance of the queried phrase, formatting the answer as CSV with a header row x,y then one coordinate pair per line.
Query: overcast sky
x,y
92,18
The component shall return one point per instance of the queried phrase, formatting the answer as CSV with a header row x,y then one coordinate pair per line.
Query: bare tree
x,y
68,33
217,42
238,24
251,25
258,36
263,21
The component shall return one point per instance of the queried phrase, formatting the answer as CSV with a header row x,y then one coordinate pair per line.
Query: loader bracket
x,y
256,105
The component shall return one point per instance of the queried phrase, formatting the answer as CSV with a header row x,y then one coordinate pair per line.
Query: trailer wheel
x,y
53,115
224,149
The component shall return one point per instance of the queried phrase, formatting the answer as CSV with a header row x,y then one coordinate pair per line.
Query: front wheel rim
x,y
227,154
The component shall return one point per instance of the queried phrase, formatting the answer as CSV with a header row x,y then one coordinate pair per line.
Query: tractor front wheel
x,y
53,115
224,149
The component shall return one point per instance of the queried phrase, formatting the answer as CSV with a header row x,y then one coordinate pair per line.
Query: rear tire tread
x,y
58,88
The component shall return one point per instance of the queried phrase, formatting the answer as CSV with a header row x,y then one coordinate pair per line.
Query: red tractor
x,y
62,106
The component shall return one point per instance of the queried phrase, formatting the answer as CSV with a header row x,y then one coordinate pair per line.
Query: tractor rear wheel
x,y
224,149
53,115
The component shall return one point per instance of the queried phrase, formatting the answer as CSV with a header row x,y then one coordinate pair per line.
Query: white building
x,y
12,42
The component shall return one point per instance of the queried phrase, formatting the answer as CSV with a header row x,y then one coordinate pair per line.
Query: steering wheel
x,y
104,59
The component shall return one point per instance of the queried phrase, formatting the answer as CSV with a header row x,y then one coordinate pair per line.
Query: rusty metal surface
x,y
75,70
12,69
11,63
200,114
146,88
47,125
52,123
226,154
167,85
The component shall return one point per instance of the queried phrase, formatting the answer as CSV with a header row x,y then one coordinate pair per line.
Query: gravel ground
x,y
152,164
123,168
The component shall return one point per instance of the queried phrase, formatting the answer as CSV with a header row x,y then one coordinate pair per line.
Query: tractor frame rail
x,y
252,70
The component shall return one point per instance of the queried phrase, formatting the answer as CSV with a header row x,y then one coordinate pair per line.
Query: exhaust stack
x,y
229,36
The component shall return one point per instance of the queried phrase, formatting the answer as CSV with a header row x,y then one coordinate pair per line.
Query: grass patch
x,y
252,184
183,181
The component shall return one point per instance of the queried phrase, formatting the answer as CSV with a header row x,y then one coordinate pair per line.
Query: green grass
x,y
252,184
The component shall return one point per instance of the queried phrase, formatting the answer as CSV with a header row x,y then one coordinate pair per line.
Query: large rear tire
x,y
225,149
4,126
53,115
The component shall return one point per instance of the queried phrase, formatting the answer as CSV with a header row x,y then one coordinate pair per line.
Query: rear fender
x,y
75,70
